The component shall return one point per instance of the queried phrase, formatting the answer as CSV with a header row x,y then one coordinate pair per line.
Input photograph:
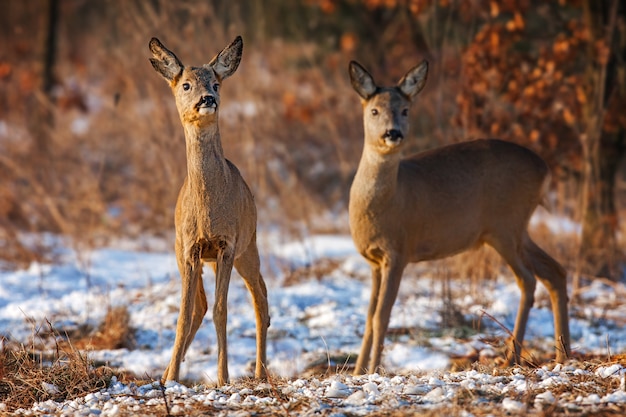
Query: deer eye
x,y
374,112
216,87
405,112
186,86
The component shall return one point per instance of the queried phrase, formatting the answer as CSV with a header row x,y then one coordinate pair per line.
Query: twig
x,y
327,355
283,404
167,405
561,346
513,339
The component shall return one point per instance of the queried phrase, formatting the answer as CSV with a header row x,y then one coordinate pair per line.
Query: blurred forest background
x,y
91,146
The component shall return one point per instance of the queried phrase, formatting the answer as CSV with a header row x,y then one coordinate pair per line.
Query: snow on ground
x,y
312,319
341,395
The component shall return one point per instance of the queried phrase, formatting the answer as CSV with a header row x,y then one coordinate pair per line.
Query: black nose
x,y
207,100
393,135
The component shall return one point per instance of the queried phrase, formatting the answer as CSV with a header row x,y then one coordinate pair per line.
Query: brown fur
x,y
439,203
215,212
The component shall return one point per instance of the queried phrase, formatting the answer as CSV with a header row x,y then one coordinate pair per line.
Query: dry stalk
x,y
524,353
26,381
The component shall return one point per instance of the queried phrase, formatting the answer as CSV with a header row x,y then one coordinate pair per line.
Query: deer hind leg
x,y
248,266
511,252
366,345
223,269
389,285
553,276
192,309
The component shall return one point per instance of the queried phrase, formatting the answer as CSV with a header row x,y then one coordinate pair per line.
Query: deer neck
x,y
376,179
207,168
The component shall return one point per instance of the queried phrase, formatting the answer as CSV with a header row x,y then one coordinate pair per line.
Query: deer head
x,y
196,89
386,109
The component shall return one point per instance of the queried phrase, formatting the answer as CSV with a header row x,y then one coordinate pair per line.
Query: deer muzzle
x,y
393,136
206,105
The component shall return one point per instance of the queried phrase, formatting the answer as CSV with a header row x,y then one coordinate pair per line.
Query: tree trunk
x,y
41,119
599,252
604,145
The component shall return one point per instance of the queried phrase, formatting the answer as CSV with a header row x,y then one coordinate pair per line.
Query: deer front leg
x,y
366,345
191,273
223,269
199,311
390,283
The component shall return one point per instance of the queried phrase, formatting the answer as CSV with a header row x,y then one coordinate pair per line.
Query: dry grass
x,y
115,158
65,372
28,376
114,333
25,381
25,378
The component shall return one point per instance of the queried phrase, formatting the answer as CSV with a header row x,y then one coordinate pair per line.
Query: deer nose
x,y
393,135
208,101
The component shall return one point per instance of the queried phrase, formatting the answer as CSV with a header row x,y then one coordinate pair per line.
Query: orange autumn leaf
x,y
581,96
561,47
348,42
519,21
568,117
534,136
28,81
5,69
327,6
494,40
289,99
494,8
603,52
510,26
529,91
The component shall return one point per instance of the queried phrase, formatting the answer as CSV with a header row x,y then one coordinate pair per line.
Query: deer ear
x,y
226,62
361,80
414,80
164,61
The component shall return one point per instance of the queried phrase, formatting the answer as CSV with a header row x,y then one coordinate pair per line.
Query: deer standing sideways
x,y
215,212
439,203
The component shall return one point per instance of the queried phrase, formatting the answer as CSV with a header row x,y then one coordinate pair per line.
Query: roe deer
x,y
439,203
215,212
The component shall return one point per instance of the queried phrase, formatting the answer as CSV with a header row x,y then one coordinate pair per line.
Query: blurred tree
x,y
549,75
41,118
604,141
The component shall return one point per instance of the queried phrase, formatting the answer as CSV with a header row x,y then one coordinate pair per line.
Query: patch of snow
x,y
512,406
314,319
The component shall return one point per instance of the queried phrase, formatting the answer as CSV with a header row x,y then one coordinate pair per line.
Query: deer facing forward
x,y
215,212
441,202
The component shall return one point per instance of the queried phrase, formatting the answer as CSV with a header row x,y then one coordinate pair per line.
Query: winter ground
x,y
316,319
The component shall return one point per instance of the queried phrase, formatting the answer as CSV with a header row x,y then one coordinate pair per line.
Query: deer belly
x,y
442,245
